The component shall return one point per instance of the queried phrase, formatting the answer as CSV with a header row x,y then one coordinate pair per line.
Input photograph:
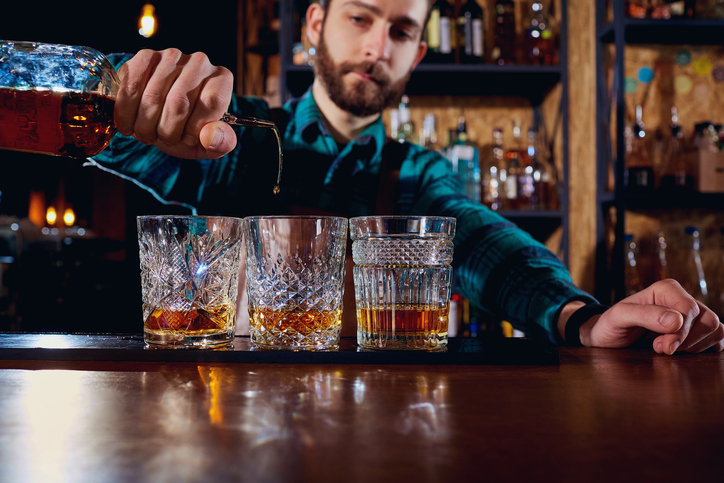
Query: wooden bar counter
x,y
598,415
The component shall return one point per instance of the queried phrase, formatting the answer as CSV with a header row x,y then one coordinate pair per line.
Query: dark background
x,y
91,284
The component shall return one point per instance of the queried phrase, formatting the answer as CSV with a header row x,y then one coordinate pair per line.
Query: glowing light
x,y
147,22
50,215
69,217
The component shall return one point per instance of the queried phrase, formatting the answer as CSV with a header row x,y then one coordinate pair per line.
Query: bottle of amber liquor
x,y
639,172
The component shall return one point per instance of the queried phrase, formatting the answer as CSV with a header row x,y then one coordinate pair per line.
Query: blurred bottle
x,y
504,41
677,173
439,33
406,131
428,140
494,173
470,33
713,9
693,279
515,155
637,8
682,8
528,198
537,189
639,173
465,159
395,124
662,264
540,35
631,271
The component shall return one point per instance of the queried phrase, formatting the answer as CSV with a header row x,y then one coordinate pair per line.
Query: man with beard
x,y
338,160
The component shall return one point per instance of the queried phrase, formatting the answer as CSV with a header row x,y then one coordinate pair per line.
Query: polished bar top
x,y
600,415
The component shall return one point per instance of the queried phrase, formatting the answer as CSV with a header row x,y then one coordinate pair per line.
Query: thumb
x,y
656,318
218,138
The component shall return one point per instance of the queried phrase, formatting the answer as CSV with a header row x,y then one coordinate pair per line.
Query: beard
x,y
363,98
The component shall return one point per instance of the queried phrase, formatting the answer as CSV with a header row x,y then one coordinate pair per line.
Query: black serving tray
x,y
131,347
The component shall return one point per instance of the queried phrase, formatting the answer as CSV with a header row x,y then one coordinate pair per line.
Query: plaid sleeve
x,y
499,267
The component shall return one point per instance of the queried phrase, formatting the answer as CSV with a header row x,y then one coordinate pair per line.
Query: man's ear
x,y
315,18
421,51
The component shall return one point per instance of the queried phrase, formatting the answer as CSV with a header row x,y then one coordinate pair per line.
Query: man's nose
x,y
377,44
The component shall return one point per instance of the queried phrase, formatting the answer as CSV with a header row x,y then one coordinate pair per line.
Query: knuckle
x,y
172,52
199,58
178,105
213,100
151,98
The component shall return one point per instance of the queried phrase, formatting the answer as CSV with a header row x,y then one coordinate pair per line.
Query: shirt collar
x,y
310,122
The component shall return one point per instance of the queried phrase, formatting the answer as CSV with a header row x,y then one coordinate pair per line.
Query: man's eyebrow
x,y
405,20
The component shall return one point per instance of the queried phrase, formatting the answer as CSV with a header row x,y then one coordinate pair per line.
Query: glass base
x,y
372,341
320,348
168,339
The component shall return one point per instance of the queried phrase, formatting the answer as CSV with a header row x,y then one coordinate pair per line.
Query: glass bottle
x,y
631,271
494,173
470,32
693,279
406,131
637,8
639,173
540,35
662,264
504,42
395,124
429,132
532,182
59,99
439,33
515,161
676,172
465,159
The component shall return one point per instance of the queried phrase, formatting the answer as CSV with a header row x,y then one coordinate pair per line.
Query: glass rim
x,y
404,217
401,226
187,217
296,217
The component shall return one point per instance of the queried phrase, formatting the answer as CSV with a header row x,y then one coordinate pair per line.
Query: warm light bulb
x,y
51,215
147,23
69,217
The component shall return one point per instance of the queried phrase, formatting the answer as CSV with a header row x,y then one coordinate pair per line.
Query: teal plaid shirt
x,y
498,267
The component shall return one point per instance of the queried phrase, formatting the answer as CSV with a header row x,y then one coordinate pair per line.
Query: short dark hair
x,y
325,5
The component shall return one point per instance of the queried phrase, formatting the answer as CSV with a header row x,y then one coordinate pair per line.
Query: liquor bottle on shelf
x,y
465,160
470,33
406,131
637,8
428,139
535,186
494,174
540,35
677,172
631,271
662,264
515,156
504,43
395,124
682,8
639,172
693,279
440,34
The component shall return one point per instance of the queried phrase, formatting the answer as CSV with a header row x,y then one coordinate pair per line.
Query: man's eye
x,y
358,20
402,34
